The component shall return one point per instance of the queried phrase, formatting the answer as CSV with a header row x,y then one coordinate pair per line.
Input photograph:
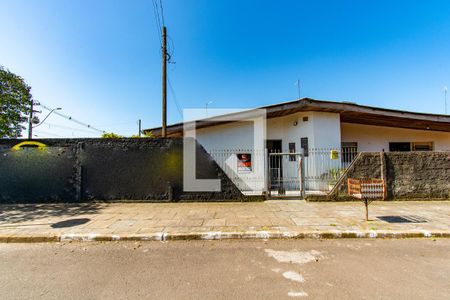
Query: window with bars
x,y
410,146
422,146
349,151
304,146
292,150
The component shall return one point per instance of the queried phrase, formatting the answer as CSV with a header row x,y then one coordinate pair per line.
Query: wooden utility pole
x,y
164,82
30,121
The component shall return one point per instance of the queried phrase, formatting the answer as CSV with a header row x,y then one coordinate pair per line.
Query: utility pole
x,y
140,130
164,82
30,121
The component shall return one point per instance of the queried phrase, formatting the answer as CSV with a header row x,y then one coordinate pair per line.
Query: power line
x,y
71,119
157,15
157,20
162,12
170,53
174,97
68,127
117,124
46,133
74,131
158,12
172,48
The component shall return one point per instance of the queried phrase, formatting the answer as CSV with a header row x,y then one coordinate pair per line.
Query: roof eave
x,y
404,119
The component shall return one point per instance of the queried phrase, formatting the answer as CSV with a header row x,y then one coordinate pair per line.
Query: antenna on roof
x,y
297,83
206,106
445,98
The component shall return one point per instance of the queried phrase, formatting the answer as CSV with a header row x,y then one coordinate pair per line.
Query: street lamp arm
x,y
48,115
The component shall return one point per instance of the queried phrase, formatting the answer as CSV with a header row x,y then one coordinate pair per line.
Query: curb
x,y
219,235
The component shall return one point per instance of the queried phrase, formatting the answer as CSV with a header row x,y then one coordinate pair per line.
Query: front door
x,y
275,166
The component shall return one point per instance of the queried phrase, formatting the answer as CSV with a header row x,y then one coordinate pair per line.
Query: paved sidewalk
x,y
271,219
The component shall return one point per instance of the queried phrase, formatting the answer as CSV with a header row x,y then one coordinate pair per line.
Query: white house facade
x,y
309,142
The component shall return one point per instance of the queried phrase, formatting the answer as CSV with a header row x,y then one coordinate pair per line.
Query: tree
x,y
111,135
15,103
146,134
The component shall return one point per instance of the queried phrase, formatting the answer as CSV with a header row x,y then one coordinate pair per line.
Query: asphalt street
x,y
231,269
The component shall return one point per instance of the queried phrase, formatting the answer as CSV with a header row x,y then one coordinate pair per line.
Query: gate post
x,y
266,171
302,177
383,172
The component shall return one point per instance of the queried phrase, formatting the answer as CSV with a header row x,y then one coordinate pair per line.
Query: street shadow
x,y
403,219
16,213
70,223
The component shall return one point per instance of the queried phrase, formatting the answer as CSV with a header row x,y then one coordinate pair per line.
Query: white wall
x,y
283,128
236,135
223,142
327,131
321,129
376,138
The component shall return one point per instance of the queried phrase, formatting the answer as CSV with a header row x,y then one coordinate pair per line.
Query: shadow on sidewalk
x,y
17,213
403,219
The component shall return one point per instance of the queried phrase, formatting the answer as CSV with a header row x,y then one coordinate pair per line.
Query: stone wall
x,y
366,165
418,175
78,170
409,175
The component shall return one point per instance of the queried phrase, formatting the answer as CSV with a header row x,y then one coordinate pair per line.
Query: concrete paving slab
x,y
261,220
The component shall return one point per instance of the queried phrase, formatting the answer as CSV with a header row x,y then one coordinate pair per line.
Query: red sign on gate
x,y
244,162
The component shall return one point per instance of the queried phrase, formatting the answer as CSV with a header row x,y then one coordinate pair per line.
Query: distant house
x,y
327,135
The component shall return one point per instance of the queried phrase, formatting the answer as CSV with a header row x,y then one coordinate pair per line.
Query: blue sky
x,y
100,59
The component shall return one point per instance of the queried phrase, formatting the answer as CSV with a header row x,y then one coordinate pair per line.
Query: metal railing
x,y
323,167
315,170
248,178
285,174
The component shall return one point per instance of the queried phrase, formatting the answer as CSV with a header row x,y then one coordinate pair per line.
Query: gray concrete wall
x,y
409,175
77,170
34,174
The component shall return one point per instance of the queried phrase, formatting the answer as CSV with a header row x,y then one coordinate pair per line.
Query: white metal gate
x,y
285,174
323,167
315,171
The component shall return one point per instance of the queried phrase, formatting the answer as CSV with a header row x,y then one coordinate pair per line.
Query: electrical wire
x,y
157,16
74,132
174,96
68,127
117,124
157,21
171,50
71,119
47,133
162,12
